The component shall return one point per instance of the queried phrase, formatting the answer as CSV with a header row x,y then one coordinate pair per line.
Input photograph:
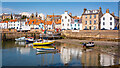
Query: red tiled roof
x,y
48,23
13,20
58,22
34,21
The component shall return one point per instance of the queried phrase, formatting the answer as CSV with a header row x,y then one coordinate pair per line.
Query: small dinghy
x,y
20,39
30,40
89,44
43,43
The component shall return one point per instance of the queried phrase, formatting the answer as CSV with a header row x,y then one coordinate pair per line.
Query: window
x,y
71,24
103,18
39,25
18,24
90,16
86,16
94,16
90,22
62,20
68,24
32,22
103,23
75,24
94,27
110,28
85,27
68,20
78,24
63,24
65,17
90,27
94,21
85,22
110,23
14,24
110,18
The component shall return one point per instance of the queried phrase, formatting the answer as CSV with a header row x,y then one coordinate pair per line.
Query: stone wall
x,y
107,34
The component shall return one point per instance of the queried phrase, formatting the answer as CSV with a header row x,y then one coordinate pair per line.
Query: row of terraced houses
x,y
89,20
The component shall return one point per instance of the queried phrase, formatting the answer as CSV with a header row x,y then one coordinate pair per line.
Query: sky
x,y
58,8
60,0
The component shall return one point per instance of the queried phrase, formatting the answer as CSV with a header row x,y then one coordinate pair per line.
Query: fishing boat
x,y
30,40
43,43
89,44
20,39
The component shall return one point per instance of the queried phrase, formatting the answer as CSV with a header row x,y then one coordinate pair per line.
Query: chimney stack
x,y
70,14
66,12
112,13
85,10
107,11
99,8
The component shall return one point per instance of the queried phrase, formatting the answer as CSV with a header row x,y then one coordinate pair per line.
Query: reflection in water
x,y
20,43
106,60
23,50
70,55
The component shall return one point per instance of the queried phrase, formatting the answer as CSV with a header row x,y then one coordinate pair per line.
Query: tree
x,y
6,19
24,17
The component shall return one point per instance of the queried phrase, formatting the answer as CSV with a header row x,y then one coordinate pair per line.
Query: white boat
x,y
89,44
30,40
20,39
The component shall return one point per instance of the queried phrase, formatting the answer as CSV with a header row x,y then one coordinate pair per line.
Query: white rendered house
x,y
14,24
66,21
3,25
76,24
107,21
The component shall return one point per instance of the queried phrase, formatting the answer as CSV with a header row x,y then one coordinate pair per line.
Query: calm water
x,y
22,54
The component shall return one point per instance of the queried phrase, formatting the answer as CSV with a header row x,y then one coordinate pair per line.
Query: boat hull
x,y
43,44
29,41
47,50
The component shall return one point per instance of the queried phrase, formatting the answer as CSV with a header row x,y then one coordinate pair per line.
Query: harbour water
x,y
22,54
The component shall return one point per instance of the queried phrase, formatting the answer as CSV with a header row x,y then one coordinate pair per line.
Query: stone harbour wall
x,y
106,34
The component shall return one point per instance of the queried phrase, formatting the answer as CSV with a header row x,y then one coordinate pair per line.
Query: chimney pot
x,y
107,11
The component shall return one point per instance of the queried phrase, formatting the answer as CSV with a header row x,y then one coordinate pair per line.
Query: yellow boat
x,y
45,42
46,47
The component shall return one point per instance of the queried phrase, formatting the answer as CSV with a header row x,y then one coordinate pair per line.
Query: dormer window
x,y
88,12
32,22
